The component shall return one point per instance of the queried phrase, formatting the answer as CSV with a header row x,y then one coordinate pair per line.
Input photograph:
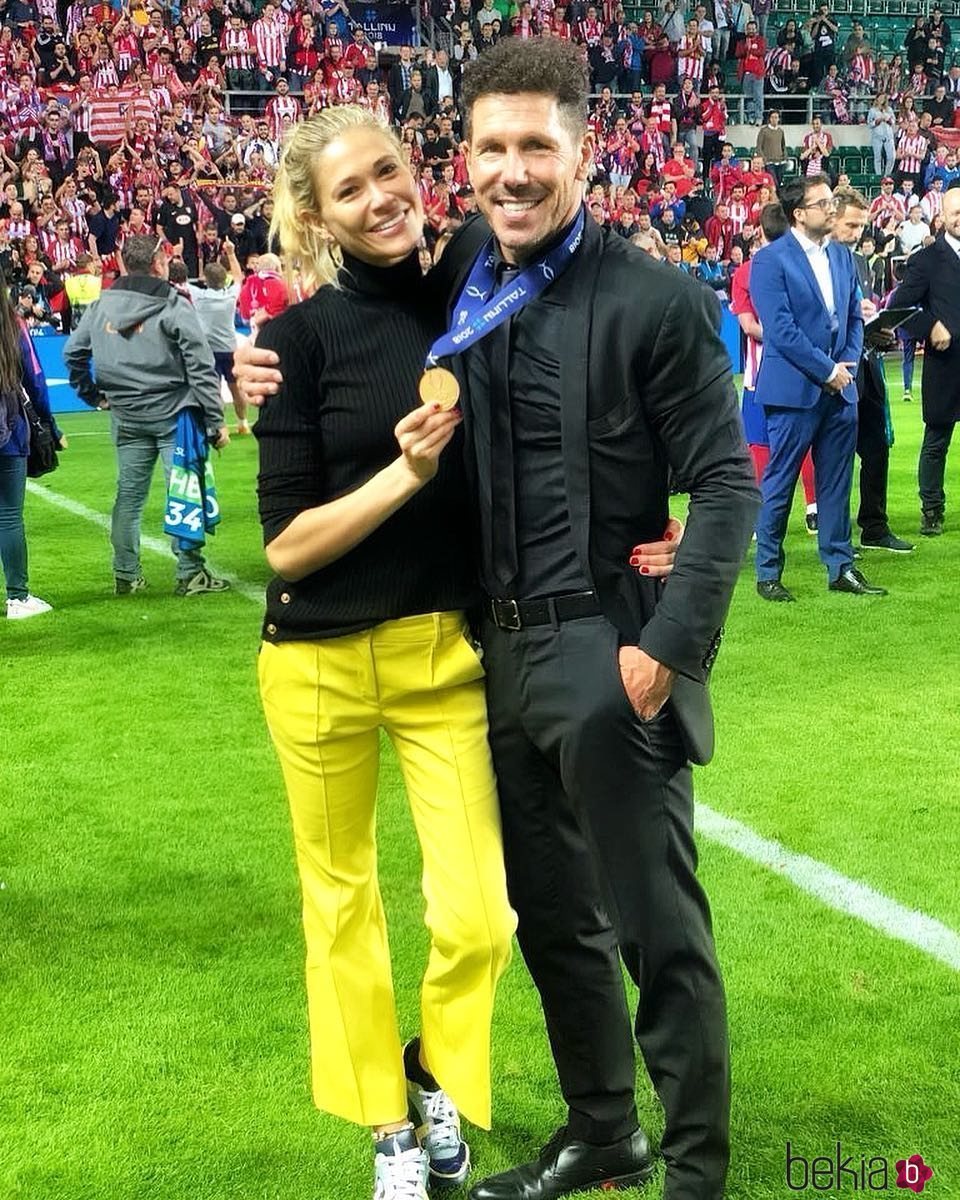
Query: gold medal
x,y
439,386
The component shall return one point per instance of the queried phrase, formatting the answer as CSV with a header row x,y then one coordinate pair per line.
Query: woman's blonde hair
x,y
308,254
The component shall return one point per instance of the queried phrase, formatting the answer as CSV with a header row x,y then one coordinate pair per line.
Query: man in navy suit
x,y
805,291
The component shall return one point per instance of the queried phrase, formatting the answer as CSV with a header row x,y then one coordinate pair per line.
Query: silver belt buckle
x,y
511,621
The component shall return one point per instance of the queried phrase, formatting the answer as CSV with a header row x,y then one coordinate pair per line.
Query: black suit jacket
x,y
871,362
932,280
646,394
395,85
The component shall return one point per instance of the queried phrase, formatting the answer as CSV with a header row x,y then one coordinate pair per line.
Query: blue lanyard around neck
x,y
480,308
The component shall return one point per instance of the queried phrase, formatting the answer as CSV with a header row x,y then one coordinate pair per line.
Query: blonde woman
x,y
366,526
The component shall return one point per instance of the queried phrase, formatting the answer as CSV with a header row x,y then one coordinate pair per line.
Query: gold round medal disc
x,y
439,386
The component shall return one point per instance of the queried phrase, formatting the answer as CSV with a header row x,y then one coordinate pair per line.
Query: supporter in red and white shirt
x,y
713,117
758,202
136,225
120,178
725,173
559,24
74,207
126,47
270,38
332,38
332,64
690,53
680,169
346,89
932,202
653,142
912,149
279,106
19,225
590,29
264,290
661,108
816,148
524,25
719,231
62,249
376,102
738,208
155,33
306,56
316,94
355,53
758,177
239,51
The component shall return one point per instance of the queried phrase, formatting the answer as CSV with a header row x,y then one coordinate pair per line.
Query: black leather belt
x,y
519,614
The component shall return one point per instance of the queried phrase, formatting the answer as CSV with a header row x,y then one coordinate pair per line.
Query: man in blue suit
x,y
805,291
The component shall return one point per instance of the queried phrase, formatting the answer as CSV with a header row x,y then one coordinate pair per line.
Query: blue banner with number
x,y
192,510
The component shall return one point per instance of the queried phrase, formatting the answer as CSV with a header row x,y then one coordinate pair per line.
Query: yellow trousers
x,y
420,680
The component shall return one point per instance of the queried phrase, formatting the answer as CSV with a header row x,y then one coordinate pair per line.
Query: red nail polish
x,y
634,560
668,536
644,570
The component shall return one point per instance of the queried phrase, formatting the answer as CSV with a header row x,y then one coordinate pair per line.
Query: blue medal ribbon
x,y
479,309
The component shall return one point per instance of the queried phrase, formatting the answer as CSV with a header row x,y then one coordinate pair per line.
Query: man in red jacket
x,y
752,53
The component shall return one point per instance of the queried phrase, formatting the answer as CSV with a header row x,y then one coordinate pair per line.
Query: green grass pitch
x,y
152,1010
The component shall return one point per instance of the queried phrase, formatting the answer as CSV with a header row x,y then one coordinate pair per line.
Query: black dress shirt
x,y
518,366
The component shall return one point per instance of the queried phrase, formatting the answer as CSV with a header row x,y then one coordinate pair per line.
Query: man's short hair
x,y
215,276
539,66
793,194
178,271
849,197
773,221
138,254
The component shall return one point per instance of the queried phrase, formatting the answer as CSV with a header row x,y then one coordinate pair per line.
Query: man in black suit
x,y
932,281
398,78
578,411
873,439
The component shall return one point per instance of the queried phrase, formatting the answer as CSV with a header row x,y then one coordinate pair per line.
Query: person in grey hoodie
x,y
150,361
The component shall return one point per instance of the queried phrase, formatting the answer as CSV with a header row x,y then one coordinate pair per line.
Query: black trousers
x,y
597,813
932,465
873,449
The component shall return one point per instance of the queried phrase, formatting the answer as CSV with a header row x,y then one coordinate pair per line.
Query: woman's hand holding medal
x,y
422,435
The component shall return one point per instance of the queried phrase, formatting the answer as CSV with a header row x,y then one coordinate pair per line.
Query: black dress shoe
x,y
853,581
565,1166
773,589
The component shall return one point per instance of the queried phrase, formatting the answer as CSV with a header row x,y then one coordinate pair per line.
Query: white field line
x,y
833,889
815,878
154,544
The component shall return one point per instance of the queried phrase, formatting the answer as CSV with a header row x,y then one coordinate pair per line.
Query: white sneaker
x,y
438,1126
400,1167
33,606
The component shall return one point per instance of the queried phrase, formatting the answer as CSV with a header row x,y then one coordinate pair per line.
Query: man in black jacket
x,y
577,413
932,281
873,440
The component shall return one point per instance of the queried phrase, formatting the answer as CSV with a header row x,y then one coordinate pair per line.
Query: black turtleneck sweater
x,y
351,360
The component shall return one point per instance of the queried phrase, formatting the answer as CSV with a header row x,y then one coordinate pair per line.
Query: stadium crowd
x,y
119,120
